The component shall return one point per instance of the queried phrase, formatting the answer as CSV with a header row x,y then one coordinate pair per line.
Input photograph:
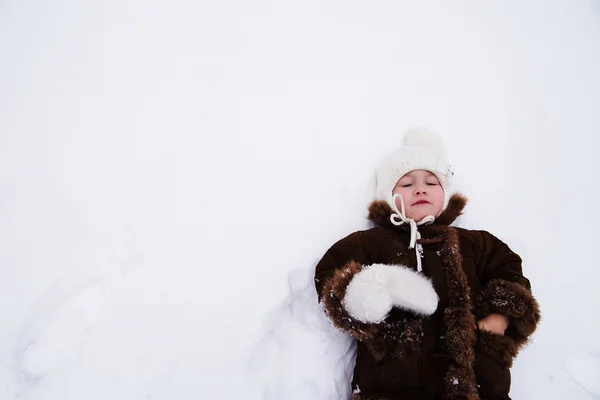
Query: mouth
x,y
421,202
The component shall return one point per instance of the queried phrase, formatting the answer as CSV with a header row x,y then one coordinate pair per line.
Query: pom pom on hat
x,y
423,137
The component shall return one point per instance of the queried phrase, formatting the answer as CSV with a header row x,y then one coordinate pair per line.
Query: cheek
x,y
403,194
439,196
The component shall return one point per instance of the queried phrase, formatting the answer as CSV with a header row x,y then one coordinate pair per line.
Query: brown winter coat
x,y
442,356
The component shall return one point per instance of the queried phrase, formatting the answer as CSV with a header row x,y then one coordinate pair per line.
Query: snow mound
x,y
301,355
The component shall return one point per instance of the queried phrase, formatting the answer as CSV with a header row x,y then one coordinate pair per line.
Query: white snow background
x,y
171,172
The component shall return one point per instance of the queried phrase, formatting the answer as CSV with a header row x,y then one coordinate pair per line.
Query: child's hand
x,y
367,296
494,323
374,290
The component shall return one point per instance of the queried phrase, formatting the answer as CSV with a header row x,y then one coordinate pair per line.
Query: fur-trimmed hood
x,y
380,211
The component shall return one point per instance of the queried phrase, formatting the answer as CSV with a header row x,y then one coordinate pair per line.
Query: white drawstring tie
x,y
398,218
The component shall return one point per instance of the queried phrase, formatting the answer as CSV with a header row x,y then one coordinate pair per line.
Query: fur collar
x,y
380,211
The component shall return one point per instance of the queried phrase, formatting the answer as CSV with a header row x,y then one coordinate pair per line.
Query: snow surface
x,y
170,173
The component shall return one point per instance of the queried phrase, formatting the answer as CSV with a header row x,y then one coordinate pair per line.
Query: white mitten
x,y
411,290
367,298
373,292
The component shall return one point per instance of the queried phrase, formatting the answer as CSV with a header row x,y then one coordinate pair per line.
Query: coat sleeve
x,y
504,288
333,274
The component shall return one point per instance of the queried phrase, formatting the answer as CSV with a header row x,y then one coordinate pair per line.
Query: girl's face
x,y
422,194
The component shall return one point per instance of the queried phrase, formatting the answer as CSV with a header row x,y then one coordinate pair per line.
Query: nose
x,y
419,189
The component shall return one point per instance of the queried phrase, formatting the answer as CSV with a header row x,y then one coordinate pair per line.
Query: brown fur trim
x,y
460,335
459,339
516,302
398,336
380,211
455,208
332,297
502,348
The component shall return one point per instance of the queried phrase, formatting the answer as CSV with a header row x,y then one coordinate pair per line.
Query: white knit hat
x,y
422,149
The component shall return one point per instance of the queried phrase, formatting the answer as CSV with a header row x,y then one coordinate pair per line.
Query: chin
x,y
418,217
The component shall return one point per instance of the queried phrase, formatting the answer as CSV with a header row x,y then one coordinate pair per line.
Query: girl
x,y
439,312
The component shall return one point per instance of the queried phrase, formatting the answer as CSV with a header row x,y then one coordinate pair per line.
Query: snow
x,y
584,368
171,172
299,348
